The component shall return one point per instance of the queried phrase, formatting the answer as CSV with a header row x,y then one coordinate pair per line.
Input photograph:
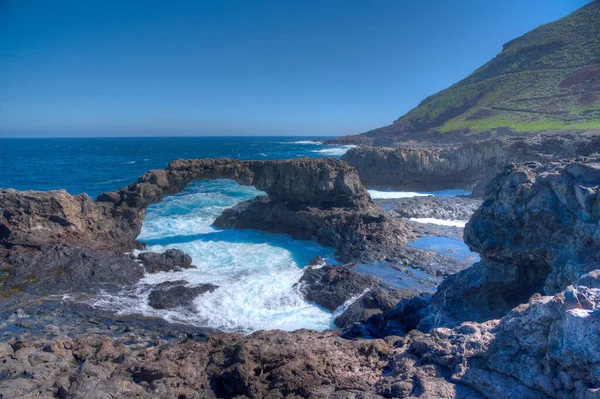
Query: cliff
x,y
468,166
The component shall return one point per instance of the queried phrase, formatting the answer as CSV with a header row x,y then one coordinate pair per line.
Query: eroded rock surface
x,y
320,199
173,294
446,208
536,231
468,166
171,260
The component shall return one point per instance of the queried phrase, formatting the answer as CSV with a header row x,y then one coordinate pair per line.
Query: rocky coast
x,y
521,322
466,165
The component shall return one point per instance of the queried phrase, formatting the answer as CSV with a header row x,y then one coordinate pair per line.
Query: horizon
x,y
145,69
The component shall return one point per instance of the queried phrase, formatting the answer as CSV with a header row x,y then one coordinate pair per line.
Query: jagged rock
x,y
368,234
173,294
536,232
297,189
468,166
61,269
374,302
591,279
171,260
331,286
447,208
264,364
353,296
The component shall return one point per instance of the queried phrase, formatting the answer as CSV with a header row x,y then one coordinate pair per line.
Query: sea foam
x,y
256,272
334,151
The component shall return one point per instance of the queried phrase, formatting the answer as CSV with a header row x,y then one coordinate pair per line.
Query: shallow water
x,y
441,222
446,246
400,277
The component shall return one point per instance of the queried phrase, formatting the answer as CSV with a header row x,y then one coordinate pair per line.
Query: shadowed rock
x,y
173,294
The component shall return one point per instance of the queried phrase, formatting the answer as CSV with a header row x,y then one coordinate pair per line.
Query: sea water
x,y
256,272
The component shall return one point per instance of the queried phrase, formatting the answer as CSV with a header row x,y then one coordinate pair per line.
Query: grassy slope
x,y
523,88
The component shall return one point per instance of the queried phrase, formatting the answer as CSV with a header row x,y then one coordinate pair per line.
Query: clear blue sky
x,y
297,67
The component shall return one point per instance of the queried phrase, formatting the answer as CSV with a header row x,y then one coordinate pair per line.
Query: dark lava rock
x,y
374,302
367,234
331,286
536,232
173,294
447,208
469,166
170,260
58,269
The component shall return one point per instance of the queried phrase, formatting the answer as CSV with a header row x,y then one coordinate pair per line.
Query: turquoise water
x,y
255,271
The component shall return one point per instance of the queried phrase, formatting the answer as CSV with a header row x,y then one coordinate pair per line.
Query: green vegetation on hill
x,y
547,79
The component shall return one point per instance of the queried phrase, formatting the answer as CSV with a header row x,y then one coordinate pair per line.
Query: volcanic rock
x,y
173,294
467,166
171,260
446,208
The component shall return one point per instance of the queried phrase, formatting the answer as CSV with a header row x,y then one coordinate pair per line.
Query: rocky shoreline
x,y
469,166
487,331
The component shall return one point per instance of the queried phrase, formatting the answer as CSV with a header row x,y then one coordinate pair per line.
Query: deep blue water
x,y
96,165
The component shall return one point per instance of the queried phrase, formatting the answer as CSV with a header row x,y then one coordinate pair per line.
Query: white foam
x,y
308,142
340,311
255,272
375,194
441,222
335,151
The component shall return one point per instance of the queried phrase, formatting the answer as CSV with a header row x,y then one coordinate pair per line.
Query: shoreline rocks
x,y
486,332
467,166
446,208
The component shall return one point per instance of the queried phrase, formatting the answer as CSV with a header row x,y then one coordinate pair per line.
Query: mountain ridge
x,y
545,80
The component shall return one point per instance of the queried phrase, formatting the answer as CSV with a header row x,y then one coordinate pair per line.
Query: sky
x,y
239,67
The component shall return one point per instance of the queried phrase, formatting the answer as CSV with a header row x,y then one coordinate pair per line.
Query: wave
x,y
375,194
335,151
308,142
127,163
441,222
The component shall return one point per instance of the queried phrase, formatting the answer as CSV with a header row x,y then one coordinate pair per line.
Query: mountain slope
x,y
545,80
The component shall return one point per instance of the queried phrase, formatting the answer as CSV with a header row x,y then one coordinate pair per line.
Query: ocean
x,y
255,271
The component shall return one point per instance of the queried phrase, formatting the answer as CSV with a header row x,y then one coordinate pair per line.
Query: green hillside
x,y
545,80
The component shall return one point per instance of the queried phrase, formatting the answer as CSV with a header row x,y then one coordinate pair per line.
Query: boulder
x,y
171,260
173,294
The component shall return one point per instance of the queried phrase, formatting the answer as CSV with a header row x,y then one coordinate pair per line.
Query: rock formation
x,y
522,323
173,294
546,348
308,198
468,166
536,232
